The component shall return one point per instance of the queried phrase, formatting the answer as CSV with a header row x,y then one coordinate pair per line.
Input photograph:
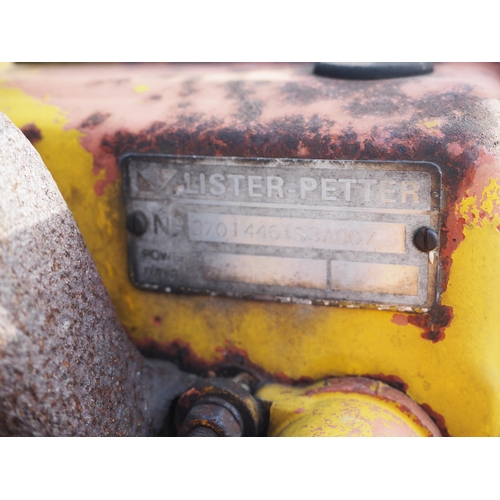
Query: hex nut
x,y
214,417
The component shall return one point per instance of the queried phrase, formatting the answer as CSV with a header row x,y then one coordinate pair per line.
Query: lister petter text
x,y
341,189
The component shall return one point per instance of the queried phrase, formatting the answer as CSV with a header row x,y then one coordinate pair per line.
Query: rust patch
x,y
434,323
232,354
281,378
183,355
437,419
94,120
392,380
177,351
32,133
192,392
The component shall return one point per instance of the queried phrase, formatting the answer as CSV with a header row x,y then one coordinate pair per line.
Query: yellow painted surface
x,y
458,377
306,413
431,124
140,89
4,66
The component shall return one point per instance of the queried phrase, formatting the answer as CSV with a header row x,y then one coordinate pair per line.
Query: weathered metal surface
x,y
67,367
88,117
314,231
348,406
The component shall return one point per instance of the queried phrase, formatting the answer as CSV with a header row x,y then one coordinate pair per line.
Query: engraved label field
x,y
310,231
296,232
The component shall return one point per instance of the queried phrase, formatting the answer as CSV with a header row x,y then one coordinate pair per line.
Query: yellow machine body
x,y
344,407
447,360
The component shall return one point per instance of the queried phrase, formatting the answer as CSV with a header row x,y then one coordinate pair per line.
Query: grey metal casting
x,y
67,367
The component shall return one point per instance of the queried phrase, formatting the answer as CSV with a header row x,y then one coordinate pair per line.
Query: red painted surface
x,y
400,319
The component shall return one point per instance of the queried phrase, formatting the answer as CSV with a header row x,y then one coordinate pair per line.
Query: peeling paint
x,y
433,323
437,418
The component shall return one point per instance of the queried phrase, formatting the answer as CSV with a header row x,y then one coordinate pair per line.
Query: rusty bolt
x,y
425,239
219,401
137,223
204,418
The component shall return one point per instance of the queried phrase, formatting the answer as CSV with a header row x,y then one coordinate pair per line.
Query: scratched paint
x,y
348,406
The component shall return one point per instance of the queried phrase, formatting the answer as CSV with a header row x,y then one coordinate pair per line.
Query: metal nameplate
x,y
307,231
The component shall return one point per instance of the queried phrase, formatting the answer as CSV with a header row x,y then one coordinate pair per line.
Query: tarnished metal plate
x,y
314,231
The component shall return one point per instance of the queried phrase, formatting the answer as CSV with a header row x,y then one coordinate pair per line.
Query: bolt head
x,y
137,223
425,239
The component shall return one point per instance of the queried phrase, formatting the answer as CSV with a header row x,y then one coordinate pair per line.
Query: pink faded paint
x,y
379,390
100,186
455,149
400,319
